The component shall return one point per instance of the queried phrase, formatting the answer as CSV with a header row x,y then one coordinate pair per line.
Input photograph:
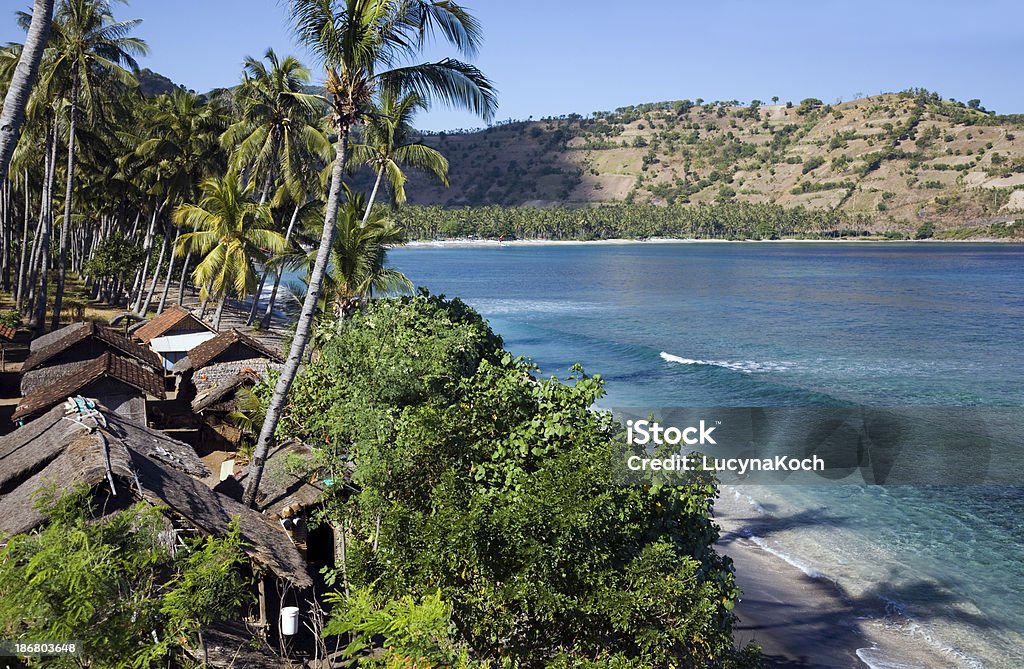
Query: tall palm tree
x,y
388,142
178,149
278,136
13,114
88,47
278,132
365,45
357,268
232,233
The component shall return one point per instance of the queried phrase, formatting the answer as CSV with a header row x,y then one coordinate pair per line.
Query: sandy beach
x,y
804,619
494,243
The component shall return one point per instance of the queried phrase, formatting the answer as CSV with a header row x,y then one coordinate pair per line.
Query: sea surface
x,y
801,324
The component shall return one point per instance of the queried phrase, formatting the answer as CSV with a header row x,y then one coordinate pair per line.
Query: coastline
x,y
802,618
494,243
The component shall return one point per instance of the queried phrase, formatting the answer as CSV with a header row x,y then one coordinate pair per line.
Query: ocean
x,y
772,324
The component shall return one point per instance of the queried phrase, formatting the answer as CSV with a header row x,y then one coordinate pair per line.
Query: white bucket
x,y
290,620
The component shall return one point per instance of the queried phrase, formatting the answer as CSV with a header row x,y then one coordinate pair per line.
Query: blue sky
x,y
551,57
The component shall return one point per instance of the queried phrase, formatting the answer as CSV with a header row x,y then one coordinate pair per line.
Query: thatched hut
x,y
291,489
124,462
79,342
211,376
173,333
118,383
227,347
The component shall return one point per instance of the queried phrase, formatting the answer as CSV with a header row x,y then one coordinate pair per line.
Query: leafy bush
x,y
812,164
485,496
11,318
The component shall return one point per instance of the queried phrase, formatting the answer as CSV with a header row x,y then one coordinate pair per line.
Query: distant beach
x,y
488,243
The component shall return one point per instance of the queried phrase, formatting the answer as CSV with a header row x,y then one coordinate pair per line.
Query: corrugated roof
x,y
179,342
73,335
107,364
208,351
171,317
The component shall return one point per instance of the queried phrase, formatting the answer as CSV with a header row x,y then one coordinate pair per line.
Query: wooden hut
x,y
211,376
61,352
125,462
118,383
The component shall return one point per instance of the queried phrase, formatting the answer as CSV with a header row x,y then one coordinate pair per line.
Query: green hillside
x,y
900,160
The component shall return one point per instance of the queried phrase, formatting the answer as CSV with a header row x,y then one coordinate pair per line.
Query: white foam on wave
x,y
501,307
807,569
745,366
875,659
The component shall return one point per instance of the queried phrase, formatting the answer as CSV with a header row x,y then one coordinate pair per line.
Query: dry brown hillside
x,y
902,158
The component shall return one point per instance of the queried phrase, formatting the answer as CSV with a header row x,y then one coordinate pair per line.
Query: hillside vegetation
x,y
892,162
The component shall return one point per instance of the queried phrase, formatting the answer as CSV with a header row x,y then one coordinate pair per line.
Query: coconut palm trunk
x,y
156,277
219,312
269,313
62,260
167,279
148,246
23,258
13,115
304,326
181,280
373,194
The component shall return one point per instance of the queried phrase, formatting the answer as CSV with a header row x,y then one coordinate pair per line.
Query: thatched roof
x,y
171,318
222,394
143,464
52,388
28,448
281,488
48,346
209,351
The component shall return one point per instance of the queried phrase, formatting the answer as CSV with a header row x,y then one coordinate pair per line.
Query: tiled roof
x,y
208,351
108,336
107,364
170,318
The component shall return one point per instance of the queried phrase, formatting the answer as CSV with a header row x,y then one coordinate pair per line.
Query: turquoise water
x,y
782,324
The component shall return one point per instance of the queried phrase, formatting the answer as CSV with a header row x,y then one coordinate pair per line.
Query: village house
x,y
60,353
124,462
173,333
211,376
119,384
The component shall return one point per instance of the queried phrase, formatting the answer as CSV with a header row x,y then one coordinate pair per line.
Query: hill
x,y
899,160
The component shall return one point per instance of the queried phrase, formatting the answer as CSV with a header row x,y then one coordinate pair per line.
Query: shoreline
x,y
802,618
462,242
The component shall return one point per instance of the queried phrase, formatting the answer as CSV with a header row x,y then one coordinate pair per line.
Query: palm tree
x,y
364,45
232,233
278,132
278,135
88,46
179,148
357,270
388,141
13,114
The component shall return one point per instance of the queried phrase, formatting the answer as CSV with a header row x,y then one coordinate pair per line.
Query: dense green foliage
x,y
630,221
486,492
115,586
